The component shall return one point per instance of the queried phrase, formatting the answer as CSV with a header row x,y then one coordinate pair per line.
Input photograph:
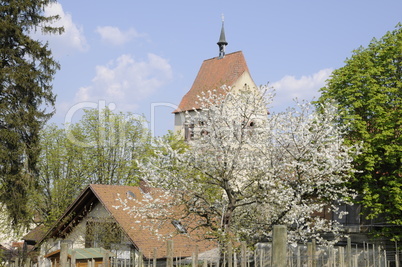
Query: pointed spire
x,y
222,40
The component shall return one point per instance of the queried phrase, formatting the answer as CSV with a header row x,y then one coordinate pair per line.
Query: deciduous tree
x,y
368,90
246,171
102,148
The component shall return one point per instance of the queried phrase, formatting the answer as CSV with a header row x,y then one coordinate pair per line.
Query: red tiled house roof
x,y
213,74
142,239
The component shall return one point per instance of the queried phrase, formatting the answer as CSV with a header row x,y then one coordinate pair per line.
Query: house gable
x,y
103,203
80,232
139,229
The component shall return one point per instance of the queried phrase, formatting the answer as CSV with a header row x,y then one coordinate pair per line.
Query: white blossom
x,y
247,170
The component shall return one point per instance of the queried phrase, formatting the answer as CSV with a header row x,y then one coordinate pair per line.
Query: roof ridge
x,y
226,55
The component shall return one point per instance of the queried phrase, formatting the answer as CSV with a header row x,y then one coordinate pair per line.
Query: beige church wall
x,y
244,79
179,119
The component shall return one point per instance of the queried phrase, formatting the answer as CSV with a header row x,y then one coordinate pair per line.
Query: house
x,y
102,217
225,70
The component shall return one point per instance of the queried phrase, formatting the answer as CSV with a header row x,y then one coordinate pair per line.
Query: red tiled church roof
x,y
213,74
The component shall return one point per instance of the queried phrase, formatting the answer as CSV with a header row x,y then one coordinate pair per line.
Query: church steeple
x,y
222,41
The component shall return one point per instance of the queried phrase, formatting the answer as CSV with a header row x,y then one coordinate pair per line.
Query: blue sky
x,y
143,56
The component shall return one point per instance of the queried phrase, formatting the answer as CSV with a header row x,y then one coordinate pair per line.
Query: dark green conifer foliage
x,y
26,72
368,90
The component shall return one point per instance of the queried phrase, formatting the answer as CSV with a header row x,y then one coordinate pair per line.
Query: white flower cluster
x,y
246,169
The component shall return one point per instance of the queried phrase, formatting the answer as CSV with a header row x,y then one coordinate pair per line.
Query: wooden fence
x,y
275,254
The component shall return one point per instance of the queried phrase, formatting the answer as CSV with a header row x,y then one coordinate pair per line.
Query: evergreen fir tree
x,y
26,72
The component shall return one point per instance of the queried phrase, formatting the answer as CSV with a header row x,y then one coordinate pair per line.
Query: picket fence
x,y
369,255
275,254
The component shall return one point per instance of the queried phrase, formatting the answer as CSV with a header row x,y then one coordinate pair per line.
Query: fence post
x,y
40,261
73,262
348,252
243,254
279,245
140,259
379,255
230,255
314,254
374,252
106,259
131,260
27,262
341,257
385,257
262,255
196,256
63,254
193,259
309,254
169,260
330,255
154,258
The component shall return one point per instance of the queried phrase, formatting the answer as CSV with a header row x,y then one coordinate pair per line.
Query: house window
x,y
248,124
102,233
130,195
179,226
204,133
350,221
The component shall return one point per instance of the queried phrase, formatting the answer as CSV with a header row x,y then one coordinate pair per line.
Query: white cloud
x,y
305,88
115,36
125,81
72,39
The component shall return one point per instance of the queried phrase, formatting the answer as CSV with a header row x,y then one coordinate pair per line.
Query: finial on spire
x,y
222,40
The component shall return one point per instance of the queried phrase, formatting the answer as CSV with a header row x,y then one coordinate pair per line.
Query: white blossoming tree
x,y
246,170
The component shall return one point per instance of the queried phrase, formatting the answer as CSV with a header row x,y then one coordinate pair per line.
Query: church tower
x,y
224,70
